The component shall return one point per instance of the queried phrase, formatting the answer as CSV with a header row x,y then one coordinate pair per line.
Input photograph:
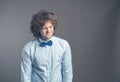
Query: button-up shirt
x,y
46,64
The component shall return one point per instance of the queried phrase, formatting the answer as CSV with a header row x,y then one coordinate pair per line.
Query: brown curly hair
x,y
39,19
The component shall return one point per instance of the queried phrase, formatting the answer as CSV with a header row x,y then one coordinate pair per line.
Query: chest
x,y
48,55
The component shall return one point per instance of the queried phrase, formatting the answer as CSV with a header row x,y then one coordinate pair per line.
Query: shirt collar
x,y
41,40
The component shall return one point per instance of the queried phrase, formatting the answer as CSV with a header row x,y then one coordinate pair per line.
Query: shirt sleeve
x,y
26,65
67,73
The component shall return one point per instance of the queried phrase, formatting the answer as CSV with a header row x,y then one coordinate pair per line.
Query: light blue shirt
x,y
46,64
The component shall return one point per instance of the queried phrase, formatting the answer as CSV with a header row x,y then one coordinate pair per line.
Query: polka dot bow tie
x,y
49,43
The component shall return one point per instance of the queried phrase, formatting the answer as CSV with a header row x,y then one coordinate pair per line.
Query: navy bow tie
x,y
49,43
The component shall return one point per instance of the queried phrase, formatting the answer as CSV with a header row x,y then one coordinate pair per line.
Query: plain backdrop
x,y
92,27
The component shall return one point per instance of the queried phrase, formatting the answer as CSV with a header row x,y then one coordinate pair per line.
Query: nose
x,y
48,30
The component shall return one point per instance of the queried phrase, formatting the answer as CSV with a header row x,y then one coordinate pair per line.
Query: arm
x,y
67,73
26,66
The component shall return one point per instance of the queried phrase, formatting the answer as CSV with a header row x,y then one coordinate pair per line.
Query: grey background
x,y
92,28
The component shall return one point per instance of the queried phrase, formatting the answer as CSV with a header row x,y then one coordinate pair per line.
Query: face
x,y
47,30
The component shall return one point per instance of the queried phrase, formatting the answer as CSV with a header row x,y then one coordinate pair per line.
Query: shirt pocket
x,y
39,59
58,57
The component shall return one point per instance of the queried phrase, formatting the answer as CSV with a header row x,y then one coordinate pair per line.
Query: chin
x,y
47,38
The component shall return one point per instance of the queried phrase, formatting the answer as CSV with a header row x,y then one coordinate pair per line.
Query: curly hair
x,y
39,19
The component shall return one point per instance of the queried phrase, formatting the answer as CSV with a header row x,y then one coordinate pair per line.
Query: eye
x,y
44,28
51,27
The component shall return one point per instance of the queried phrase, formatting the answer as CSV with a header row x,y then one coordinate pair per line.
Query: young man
x,y
46,58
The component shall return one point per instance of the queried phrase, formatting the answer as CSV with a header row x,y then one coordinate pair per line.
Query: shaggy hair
x,y
39,20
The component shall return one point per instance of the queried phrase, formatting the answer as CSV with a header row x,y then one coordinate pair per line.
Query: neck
x,y
44,39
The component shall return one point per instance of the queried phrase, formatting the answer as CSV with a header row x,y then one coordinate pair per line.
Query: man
x,y
47,58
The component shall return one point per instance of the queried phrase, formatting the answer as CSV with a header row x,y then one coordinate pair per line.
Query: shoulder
x,y
30,44
58,39
61,41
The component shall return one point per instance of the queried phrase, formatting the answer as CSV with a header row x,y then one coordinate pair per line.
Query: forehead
x,y
47,23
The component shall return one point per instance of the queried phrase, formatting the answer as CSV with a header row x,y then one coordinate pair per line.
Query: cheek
x,y
52,30
43,31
